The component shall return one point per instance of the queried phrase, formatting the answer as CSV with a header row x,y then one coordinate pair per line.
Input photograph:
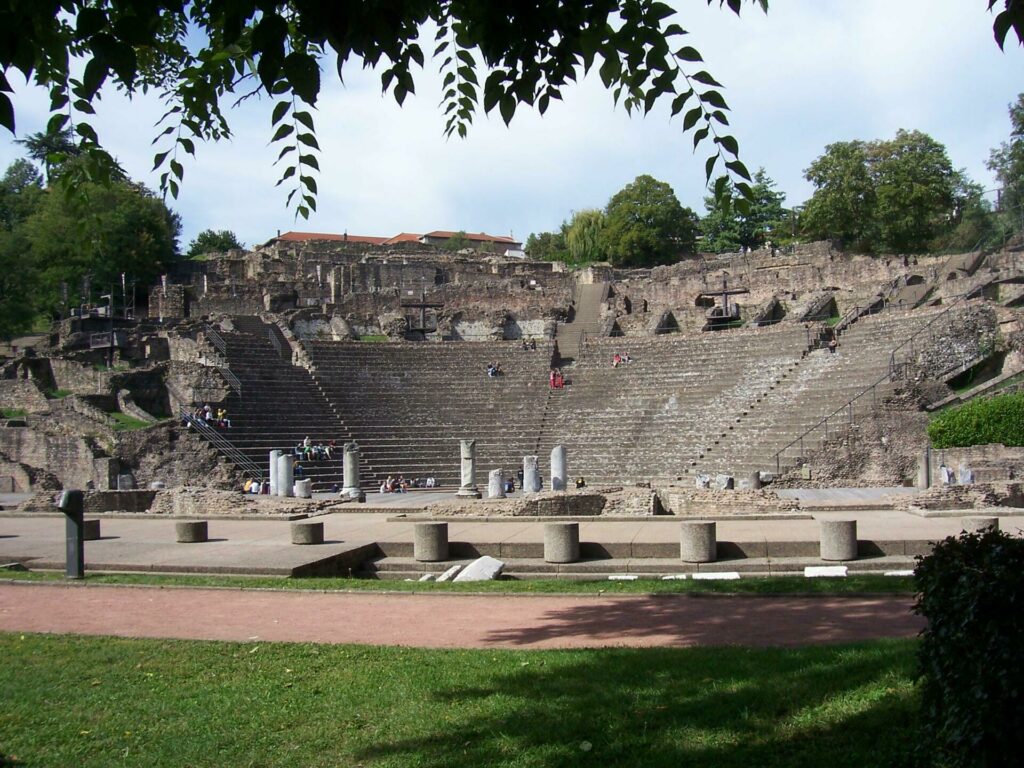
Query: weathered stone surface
x,y
483,568
304,489
350,468
285,478
838,539
561,542
723,482
427,577
467,453
496,484
430,542
559,468
191,531
980,524
531,475
450,573
275,457
698,541
306,532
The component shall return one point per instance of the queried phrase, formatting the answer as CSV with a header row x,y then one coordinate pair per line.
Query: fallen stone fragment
x,y
427,577
483,568
450,573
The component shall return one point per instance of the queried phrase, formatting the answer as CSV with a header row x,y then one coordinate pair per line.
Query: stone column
x,y
304,489
698,542
531,476
561,542
559,469
468,488
430,542
191,531
305,532
979,524
838,539
284,475
350,488
495,484
274,456
924,475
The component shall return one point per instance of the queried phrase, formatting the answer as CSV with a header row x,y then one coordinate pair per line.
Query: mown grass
x,y
766,586
125,423
87,702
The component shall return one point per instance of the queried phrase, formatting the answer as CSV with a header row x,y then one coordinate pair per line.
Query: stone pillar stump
x,y
531,475
698,541
306,532
467,451
430,542
979,524
285,478
350,467
838,539
559,468
495,484
191,531
274,457
561,542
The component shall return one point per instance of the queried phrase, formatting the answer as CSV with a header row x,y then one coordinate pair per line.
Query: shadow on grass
x,y
721,620
849,706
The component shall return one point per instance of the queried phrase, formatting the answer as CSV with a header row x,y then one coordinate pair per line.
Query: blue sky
x,y
798,78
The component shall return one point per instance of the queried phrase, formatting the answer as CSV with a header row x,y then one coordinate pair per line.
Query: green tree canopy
x,y
843,203
1007,162
727,229
549,246
585,237
213,241
646,225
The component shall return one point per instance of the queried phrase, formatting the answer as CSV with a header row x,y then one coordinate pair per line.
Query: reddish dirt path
x,y
453,621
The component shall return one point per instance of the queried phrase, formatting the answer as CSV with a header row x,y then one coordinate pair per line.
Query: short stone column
x,y
561,542
979,524
468,489
350,456
304,489
531,475
559,468
430,542
306,532
698,541
838,539
91,530
125,483
191,531
274,456
285,478
495,484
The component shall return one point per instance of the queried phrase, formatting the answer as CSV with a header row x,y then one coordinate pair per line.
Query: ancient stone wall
x,y
24,395
73,460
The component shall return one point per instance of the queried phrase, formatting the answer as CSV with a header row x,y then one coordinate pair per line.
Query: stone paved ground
x,y
452,621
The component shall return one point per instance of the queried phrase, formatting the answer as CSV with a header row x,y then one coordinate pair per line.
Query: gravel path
x,y
453,621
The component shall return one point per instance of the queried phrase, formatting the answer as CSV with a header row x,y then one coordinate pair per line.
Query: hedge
x,y
997,419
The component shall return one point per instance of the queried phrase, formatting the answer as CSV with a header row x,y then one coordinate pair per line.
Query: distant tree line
x,y
899,195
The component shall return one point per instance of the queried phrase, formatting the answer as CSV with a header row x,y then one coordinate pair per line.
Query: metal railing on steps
x,y
222,444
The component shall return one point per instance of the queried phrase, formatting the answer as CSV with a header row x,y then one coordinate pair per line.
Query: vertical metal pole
x,y
72,504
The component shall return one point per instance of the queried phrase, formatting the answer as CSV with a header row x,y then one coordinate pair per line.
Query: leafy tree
x,y
843,203
549,246
51,150
457,242
915,187
585,236
1007,162
727,229
101,232
21,192
213,241
646,225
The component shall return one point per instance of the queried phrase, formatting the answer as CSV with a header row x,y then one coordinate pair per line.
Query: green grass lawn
x,y
124,423
79,701
13,413
767,586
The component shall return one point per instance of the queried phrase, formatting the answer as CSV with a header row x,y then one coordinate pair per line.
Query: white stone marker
x,y
468,487
716,576
495,484
285,478
825,571
531,475
559,468
350,468
483,568
450,573
303,489
274,456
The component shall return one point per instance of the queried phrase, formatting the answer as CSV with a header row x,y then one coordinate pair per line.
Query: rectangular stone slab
x,y
825,571
483,568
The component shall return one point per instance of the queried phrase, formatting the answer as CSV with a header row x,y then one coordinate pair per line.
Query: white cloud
x,y
802,76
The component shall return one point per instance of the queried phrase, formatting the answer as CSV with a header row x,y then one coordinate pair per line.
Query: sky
x,y
798,78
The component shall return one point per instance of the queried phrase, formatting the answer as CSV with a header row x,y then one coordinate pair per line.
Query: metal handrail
x,y
231,379
216,339
225,446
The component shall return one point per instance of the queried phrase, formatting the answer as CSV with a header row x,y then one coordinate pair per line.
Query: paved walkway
x,y
453,621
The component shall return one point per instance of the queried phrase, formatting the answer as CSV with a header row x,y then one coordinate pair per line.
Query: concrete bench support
x,y
90,530
838,539
979,524
430,542
305,532
191,531
561,542
698,542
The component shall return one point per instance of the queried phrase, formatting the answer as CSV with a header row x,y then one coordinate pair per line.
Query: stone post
x,y
350,489
284,475
698,541
495,484
430,542
304,489
72,504
924,475
979,524
468,487
559,469
531,475
838,539
305,532
191,531
274,456
561,542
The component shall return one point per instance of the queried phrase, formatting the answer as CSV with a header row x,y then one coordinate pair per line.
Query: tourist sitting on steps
x,y
832,344
616,359
581,483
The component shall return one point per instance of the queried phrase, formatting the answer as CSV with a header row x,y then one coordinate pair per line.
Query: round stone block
x,y
838,539
90,530
561,542
979,524
698,541
304,489
191,531
430,542
305,532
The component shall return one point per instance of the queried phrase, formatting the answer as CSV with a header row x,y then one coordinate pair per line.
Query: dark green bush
x,y
971,591
997,419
